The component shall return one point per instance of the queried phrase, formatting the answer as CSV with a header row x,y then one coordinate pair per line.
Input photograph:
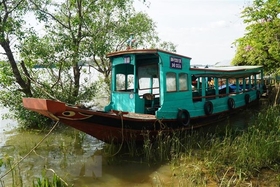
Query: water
x,y
6,127
76,158
78,164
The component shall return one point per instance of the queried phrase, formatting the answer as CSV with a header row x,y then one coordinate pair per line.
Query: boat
x,y
155,91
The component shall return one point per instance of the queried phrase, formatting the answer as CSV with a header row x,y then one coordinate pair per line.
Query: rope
x,y
121,115
33,149
162,125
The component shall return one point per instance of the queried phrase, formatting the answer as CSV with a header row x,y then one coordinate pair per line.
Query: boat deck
x,y
140,116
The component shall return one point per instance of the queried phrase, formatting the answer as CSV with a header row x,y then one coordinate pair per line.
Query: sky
x,y
201,29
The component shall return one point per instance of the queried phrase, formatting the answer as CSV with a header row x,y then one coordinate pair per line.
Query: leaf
x,y
262,36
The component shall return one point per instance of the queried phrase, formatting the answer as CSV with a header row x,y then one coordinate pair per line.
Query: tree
x,y
76,33
261,43
10,28
85,31
14,73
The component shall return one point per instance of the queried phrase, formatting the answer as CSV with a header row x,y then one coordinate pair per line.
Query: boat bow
x,y
45,107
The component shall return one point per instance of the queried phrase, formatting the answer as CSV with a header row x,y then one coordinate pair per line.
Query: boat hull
x,y
116,126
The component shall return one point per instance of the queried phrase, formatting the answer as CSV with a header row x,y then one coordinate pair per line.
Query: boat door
x,y
124,93
148,87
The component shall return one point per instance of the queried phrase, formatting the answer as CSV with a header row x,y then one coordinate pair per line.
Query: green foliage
x,y
6,77
164,45
261,43
83,32
46,182
11,18
51,64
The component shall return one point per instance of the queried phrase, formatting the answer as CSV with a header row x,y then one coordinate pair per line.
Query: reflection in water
x,y
60,152
76,158
5,127
79,165
128,174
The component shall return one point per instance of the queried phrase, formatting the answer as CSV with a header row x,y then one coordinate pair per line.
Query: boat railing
x,y
211,94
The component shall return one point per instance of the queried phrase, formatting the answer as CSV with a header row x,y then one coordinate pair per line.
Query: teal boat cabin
x,y
161,83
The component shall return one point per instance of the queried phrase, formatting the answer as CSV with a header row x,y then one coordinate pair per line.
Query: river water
x,y
6,126
76,158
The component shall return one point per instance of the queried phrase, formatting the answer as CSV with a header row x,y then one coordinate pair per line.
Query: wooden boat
x,y
155,91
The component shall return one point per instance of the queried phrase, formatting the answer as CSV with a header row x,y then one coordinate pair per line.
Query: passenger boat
x,y
154,91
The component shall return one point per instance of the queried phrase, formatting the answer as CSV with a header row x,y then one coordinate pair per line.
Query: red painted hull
x,y
115,126
109,127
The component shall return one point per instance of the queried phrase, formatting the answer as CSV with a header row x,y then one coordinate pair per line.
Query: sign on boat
x,y
155,91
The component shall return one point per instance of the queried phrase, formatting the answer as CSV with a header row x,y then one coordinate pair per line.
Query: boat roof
x,y
227,71
211,71
143,51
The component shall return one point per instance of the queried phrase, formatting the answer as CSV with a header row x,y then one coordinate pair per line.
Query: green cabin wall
x,y
172,101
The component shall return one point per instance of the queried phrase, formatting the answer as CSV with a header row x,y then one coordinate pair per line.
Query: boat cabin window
x,y
171,82
183,82
124,77
130,82
120,84
148,79
124,82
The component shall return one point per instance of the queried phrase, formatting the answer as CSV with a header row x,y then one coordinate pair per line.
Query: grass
x,y
235,158
196,158
55,181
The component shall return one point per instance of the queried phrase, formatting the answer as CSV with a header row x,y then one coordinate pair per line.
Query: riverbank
x,y
243,153
236,157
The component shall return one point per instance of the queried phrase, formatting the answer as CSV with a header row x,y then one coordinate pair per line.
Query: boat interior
x,y
224,86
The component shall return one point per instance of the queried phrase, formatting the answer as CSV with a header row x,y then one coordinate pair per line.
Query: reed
x,y
15,172
55,181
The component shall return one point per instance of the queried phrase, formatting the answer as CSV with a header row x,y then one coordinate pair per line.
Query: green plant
x,y
7,162
55,181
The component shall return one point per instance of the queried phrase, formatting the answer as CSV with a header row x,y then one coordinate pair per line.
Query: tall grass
x,y
256,148
229,159
236,158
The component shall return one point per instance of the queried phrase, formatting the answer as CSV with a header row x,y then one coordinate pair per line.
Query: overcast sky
x,y
202,29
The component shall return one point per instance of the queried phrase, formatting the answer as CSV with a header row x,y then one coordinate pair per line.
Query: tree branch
x,y
49,14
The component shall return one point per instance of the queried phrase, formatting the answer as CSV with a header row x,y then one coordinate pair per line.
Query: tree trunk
x,y
77,75
277,86
25,88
